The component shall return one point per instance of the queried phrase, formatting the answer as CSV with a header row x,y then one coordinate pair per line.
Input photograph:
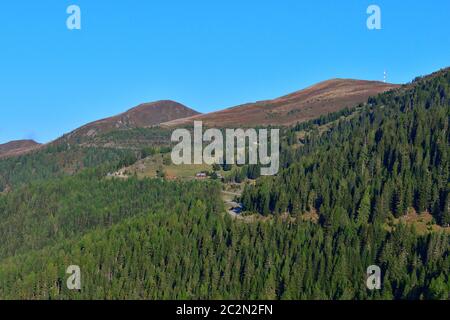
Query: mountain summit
x,y
143,115
17,147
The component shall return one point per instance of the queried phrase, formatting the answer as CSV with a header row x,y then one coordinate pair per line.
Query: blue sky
x,y
207,55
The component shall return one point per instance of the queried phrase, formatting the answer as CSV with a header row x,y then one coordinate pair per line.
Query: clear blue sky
x,y
207,55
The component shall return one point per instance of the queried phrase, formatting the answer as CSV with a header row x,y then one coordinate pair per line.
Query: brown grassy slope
x,y
312,102
144,115
17,147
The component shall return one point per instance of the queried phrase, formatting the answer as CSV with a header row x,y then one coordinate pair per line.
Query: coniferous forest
x,y
358,171
390,156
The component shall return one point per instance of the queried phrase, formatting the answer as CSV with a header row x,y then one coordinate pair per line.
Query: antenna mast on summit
x,y
384,76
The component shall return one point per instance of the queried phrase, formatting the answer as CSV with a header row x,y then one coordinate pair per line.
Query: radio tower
x,y
384,76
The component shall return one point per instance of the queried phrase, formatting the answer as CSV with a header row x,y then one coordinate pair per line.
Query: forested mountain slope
x,y
389,156
154,239
143,248
113,149
59,160
47,212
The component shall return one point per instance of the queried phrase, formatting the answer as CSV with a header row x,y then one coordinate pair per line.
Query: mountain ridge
x,y
299,106
142,115
302,105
